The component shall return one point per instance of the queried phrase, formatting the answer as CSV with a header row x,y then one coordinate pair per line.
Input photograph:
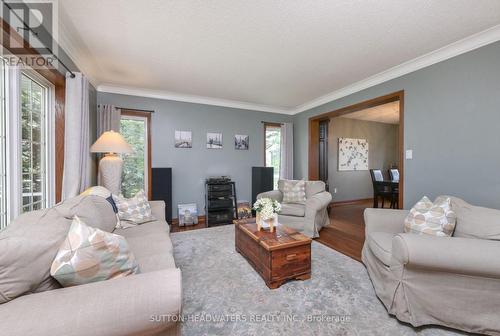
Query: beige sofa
x,y
307,218
449,281
33,303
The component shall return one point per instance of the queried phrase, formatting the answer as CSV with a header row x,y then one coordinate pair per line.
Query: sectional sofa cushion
x,y
118,307
28,246
133,211
426,217
91,255
151,245
30,242
293,191
475,221
94,210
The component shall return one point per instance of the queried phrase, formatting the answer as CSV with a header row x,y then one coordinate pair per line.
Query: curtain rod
x,y
128,108
134,109
271,122
28,28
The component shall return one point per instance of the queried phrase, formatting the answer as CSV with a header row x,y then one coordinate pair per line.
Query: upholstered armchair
x,y
307,218
424,279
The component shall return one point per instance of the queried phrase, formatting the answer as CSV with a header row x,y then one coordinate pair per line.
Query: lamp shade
x,y
111,142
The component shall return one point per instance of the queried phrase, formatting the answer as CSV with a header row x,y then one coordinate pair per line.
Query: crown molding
x,y
467,44
167,95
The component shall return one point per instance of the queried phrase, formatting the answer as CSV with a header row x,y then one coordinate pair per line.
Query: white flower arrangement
x,y
267,208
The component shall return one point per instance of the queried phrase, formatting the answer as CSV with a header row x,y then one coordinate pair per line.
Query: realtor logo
x,y
33,32
34,22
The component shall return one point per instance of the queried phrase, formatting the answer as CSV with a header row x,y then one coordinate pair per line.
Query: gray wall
x,y
452,119
383,152
190,167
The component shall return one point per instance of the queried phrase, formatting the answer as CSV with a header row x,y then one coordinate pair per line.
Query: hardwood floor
x,y
346,232
174,227
177,228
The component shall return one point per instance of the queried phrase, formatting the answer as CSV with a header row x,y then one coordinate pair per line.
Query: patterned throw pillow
x,y
90,255
133,211
294,191
437,219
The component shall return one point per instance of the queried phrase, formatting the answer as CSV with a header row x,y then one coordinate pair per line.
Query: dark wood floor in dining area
x,y
346,231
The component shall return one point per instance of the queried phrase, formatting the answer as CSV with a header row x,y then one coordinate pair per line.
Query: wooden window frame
x,y
147,115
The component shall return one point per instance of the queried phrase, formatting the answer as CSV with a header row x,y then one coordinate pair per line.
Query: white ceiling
x,y
282,56
386,113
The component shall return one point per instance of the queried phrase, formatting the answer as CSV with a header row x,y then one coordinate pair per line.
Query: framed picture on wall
x,y
241,142
183,139
353,154
214,140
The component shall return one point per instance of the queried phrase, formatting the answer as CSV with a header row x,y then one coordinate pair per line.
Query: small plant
x,y
267,208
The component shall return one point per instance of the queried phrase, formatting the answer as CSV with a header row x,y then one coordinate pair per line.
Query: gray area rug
x,y
223,295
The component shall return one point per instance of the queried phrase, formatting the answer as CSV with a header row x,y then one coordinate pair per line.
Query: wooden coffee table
x,y
278,256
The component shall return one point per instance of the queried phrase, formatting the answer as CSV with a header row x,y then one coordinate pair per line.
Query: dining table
x,y
394,187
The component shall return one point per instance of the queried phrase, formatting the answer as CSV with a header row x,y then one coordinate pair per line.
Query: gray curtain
x,y
77,170
286,171
109,119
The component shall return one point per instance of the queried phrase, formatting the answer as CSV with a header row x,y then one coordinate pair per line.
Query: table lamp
x,y
110,167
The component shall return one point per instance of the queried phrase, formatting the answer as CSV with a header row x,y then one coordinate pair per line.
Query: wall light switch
x,y
409,154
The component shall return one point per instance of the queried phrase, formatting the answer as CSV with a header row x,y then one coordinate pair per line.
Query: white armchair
x,y
423,279
306,218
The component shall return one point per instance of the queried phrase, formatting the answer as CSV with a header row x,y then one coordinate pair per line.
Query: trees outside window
x,y
272,149
134,127
33,144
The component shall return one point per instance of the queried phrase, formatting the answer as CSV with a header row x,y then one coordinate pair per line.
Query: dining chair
x,y
379,188
394,176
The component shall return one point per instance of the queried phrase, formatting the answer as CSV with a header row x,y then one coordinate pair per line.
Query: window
x,y
33,144
272,149
135,128
3,148
27,147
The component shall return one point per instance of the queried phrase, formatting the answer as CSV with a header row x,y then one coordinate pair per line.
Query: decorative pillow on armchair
x,y
90,255
133,211
294,191
437,219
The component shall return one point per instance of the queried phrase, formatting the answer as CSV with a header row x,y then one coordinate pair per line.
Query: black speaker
x,y
161,180
262,180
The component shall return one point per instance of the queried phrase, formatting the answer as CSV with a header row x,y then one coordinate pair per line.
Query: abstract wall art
x,y
353,154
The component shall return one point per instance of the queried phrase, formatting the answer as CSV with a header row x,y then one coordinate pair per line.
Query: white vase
x,y
271,222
